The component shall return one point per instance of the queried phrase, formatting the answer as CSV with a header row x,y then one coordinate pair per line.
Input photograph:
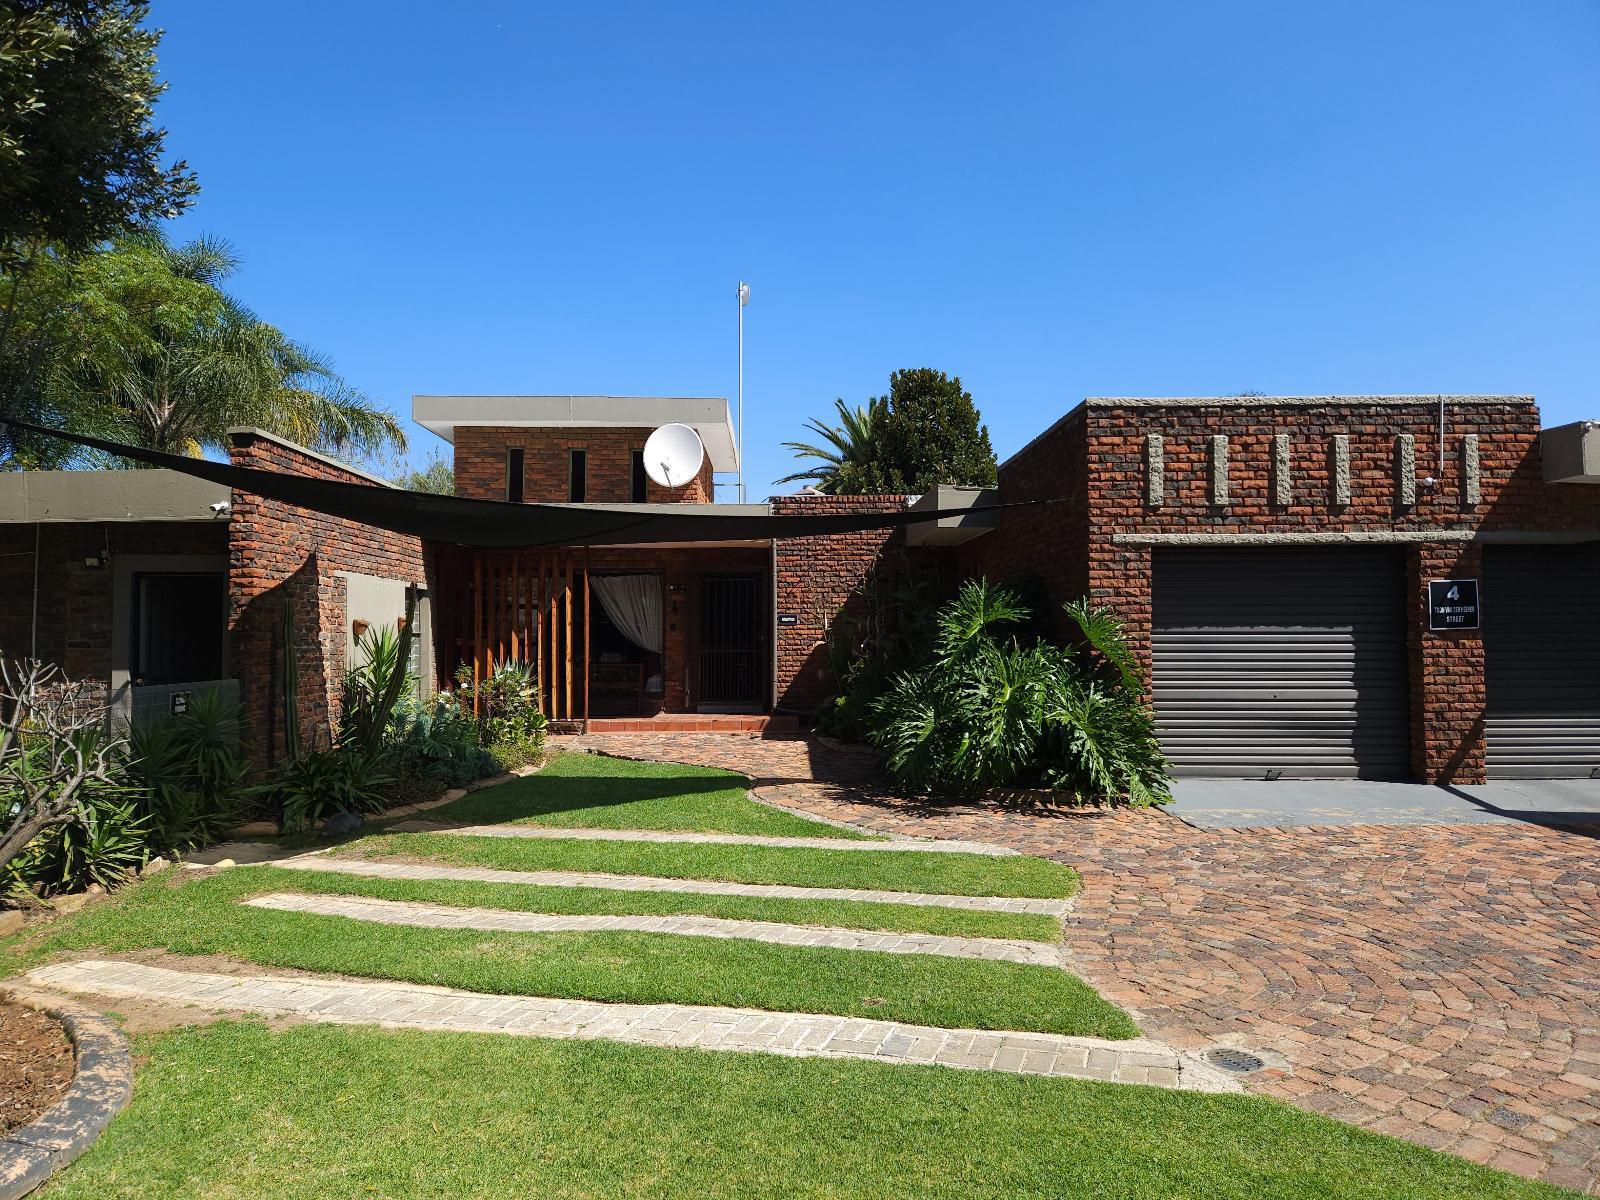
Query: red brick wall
x,y
278,552
817,580
75,617
480,465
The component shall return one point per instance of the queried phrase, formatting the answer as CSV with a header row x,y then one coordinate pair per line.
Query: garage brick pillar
x,y
1448,695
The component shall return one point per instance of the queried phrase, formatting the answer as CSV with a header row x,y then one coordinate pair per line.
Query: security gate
x,y
1541,644
1284,662
731,642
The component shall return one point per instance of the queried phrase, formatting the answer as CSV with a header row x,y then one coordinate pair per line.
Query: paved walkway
x,y
1439,983
387,869
416,1006
919,845
443,916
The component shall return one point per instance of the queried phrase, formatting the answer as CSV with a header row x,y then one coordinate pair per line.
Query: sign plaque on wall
x,y
1453,604
788,619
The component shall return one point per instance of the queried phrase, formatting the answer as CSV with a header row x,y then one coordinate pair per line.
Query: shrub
x,y
514,756
324,782
104,843
440,741
991,709
374,690
190,773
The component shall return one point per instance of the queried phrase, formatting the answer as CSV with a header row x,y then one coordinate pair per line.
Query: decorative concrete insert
x,y
923,846
321,861
102,1083
416,1006
444,916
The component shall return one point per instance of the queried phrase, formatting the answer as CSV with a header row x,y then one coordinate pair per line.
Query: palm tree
x,y
846,445
161,356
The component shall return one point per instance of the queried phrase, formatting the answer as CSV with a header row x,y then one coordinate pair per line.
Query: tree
x,y
53,747
141,344
847,446
926,431
438,477
80,157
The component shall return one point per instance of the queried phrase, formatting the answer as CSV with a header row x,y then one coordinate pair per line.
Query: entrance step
x,y
445,916
379,869
697,723
417,1006
920,845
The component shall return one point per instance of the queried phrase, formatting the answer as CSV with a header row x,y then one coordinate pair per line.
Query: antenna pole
x,y
743,295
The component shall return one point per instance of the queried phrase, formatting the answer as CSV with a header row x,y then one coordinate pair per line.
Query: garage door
x,y
1541,642
1290,661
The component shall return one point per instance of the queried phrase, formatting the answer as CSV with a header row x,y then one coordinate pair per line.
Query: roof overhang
x,y
953,530
1571,452
706,415
153,495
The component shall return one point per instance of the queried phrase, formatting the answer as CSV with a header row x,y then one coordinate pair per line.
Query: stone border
x,y
102,1085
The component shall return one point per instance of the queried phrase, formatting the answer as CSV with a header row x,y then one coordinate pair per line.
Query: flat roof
x,y
706,415
131,495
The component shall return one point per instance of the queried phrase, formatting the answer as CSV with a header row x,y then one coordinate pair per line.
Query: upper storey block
x,y
573,449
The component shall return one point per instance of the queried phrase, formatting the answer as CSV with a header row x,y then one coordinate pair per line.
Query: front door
x,y
731,643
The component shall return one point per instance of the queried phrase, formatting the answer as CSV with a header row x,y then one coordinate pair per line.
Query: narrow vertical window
x,y
514,475
639,491
578,476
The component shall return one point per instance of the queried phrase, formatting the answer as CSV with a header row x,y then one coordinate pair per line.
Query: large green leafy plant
x,y
994,707
191,774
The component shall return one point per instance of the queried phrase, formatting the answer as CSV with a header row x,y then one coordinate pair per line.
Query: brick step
x,y
697,723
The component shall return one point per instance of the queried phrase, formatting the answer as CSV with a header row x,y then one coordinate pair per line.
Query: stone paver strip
x,y
1436,983
922,845
380,869
444,916
419,1006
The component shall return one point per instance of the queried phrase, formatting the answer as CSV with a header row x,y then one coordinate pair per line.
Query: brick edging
x,y
102,1085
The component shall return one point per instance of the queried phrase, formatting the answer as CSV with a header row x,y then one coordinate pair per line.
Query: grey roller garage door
x,y
1541,642
1287,660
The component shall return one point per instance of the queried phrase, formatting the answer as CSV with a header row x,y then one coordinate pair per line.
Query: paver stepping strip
x,y
443,916
918,845
321,861
418,1006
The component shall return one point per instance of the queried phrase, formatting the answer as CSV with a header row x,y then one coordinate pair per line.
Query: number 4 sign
x,y
1453,604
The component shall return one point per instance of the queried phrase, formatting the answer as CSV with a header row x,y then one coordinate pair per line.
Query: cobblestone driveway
x,y
1439,983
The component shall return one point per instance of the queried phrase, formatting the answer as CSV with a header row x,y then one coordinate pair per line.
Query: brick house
x,y
1272,557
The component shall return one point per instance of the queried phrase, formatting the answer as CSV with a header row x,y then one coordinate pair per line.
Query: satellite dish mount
x,y
673,455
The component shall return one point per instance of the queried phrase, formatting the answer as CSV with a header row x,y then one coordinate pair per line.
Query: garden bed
x,y
35,1064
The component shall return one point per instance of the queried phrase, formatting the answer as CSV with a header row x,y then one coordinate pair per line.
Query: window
x,y
514,475
577,475
639,492
179,623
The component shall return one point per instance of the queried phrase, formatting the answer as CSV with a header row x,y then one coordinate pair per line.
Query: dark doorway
x,y
731,643
179,625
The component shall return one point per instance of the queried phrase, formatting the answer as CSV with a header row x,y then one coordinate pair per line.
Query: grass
x,y
591,791
203,916
236,1110
897,871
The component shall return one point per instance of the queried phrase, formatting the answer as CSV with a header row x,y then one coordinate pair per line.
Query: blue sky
x,y
1052,201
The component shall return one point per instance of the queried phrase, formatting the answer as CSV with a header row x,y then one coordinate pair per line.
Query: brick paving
x,y
919,845
322,861
444,916
1438,983
418,1006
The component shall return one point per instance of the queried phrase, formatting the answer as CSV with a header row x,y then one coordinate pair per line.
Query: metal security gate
x,y
731,643
1541,644
1284,662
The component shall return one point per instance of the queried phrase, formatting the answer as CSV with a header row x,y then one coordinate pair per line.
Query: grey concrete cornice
x,y
51,497
253,431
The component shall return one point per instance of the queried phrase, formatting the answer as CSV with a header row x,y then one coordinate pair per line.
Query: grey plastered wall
x,y
123,569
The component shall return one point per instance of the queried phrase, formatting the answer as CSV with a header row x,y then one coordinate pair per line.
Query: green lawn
x,y
203,916
896,871
595,792
235,1110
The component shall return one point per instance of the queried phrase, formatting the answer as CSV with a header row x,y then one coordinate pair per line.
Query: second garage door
x,y
1288,661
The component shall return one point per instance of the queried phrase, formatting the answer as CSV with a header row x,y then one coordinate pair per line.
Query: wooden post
x,y
550,621
537,617
567,569
477,625
516,607
587,671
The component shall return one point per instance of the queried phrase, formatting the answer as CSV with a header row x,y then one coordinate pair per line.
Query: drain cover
x,y
1239,1061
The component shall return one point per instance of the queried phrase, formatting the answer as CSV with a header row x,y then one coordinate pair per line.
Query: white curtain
x,y
633,602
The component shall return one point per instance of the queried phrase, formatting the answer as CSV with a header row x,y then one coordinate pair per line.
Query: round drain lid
x,y
1240,1062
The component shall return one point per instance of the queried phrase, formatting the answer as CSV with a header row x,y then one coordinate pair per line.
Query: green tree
x,y
437,477
845,447
926,431
141,343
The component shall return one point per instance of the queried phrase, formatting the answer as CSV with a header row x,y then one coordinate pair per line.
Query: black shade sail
x,y
497,525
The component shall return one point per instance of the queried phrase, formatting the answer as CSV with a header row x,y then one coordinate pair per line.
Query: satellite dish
x,y
673,455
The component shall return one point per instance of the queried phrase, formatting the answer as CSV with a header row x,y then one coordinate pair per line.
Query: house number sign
x,y
1453,604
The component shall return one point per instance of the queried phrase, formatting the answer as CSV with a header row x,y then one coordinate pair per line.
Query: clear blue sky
x,y
1051,201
